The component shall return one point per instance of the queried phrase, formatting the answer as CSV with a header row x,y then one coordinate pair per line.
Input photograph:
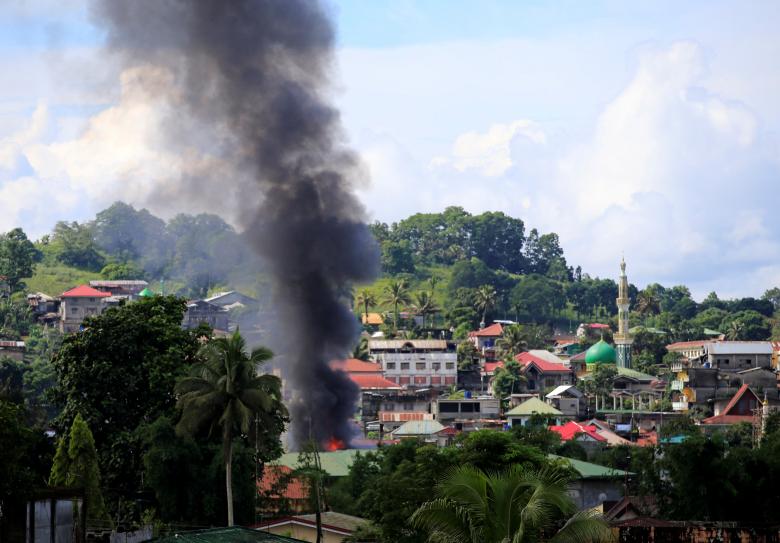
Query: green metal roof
x,y
334,463
588,470
533,406
418,428
638,375
600,352
235,534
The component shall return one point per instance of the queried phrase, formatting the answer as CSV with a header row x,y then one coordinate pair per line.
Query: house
x,y
737,355
336,527
691,350
585,434
389,421
126,288
544,372
43,307
416,363
582,329
595,484
280,490
12,349
372,319
232,299
448,410
485,340
426,430
567,399
200,311
79,303
739,409
523,413
604,429
393,407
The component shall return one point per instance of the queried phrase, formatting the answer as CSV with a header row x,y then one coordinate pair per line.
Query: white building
x,y
419,363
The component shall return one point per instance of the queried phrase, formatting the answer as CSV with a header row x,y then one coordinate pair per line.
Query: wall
x,y
697,532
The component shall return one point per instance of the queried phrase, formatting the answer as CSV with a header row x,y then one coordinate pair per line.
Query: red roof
x,y
84,291
494,330
448,431
542,364
490,367
597,325
296,487
371,381
353,365
726,417
569,430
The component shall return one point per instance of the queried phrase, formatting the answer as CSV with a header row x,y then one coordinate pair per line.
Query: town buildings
x,y
79,303
416,363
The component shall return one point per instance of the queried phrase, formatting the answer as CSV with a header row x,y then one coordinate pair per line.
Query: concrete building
x,y
416,363
567,399
485,340
79,303
447,411
200,311
127,288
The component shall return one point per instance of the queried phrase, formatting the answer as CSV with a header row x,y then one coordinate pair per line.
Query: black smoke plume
x,y
248,83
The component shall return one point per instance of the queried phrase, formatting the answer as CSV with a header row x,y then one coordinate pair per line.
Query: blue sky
x,y
648,128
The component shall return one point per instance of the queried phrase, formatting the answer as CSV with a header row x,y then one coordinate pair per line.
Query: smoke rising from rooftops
x,y
246,80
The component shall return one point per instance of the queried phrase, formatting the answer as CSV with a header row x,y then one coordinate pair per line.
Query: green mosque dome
x,y
600,353
146,293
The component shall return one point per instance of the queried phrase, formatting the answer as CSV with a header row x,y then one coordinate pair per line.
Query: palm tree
x,y
735,330
425,305
366,299
396,293
225,392
432,282
516,506
647,303
512,341
484,301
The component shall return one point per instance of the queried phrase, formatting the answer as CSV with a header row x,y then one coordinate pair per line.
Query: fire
x,y
334,444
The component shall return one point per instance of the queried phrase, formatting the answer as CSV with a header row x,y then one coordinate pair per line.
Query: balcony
x,y
678,385
677,366
680,406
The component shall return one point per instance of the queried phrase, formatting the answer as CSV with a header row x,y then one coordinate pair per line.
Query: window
x,y
469,407
389,407
448,407
390,365
404,366
450,365
436,366
408,406
74,310
420,365
91,299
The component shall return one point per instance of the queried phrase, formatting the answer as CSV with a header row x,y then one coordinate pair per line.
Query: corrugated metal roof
x,y
739,347
418,428
588,470
334,463
382,344
534,406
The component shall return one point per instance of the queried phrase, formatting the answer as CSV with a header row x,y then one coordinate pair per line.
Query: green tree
x,y
517,505
74,245
397,257
712,317
425,305
225,392
746,326
513,341
122,270
83,469
506,380
647,302
396,293
536,298
773,295
17,258
485,299
120,373
497,240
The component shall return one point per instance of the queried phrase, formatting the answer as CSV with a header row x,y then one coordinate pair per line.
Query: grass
x,y
415,283
54,279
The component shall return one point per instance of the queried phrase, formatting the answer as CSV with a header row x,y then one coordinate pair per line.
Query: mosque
x,y
602,352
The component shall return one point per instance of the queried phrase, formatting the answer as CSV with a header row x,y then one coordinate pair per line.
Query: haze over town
x,y
648,130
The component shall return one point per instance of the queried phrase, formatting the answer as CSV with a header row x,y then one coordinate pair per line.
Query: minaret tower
x,y
623,339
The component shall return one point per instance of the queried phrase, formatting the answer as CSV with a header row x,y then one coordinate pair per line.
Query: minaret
x,y
623,339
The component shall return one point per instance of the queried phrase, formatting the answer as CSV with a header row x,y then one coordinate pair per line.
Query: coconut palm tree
x,y
513,340
424,305
484,301
396,293
735,330
225,392
647,303
516,506
432,282
366,299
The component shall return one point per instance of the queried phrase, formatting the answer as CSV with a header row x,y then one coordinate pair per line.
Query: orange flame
x,y
334,444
